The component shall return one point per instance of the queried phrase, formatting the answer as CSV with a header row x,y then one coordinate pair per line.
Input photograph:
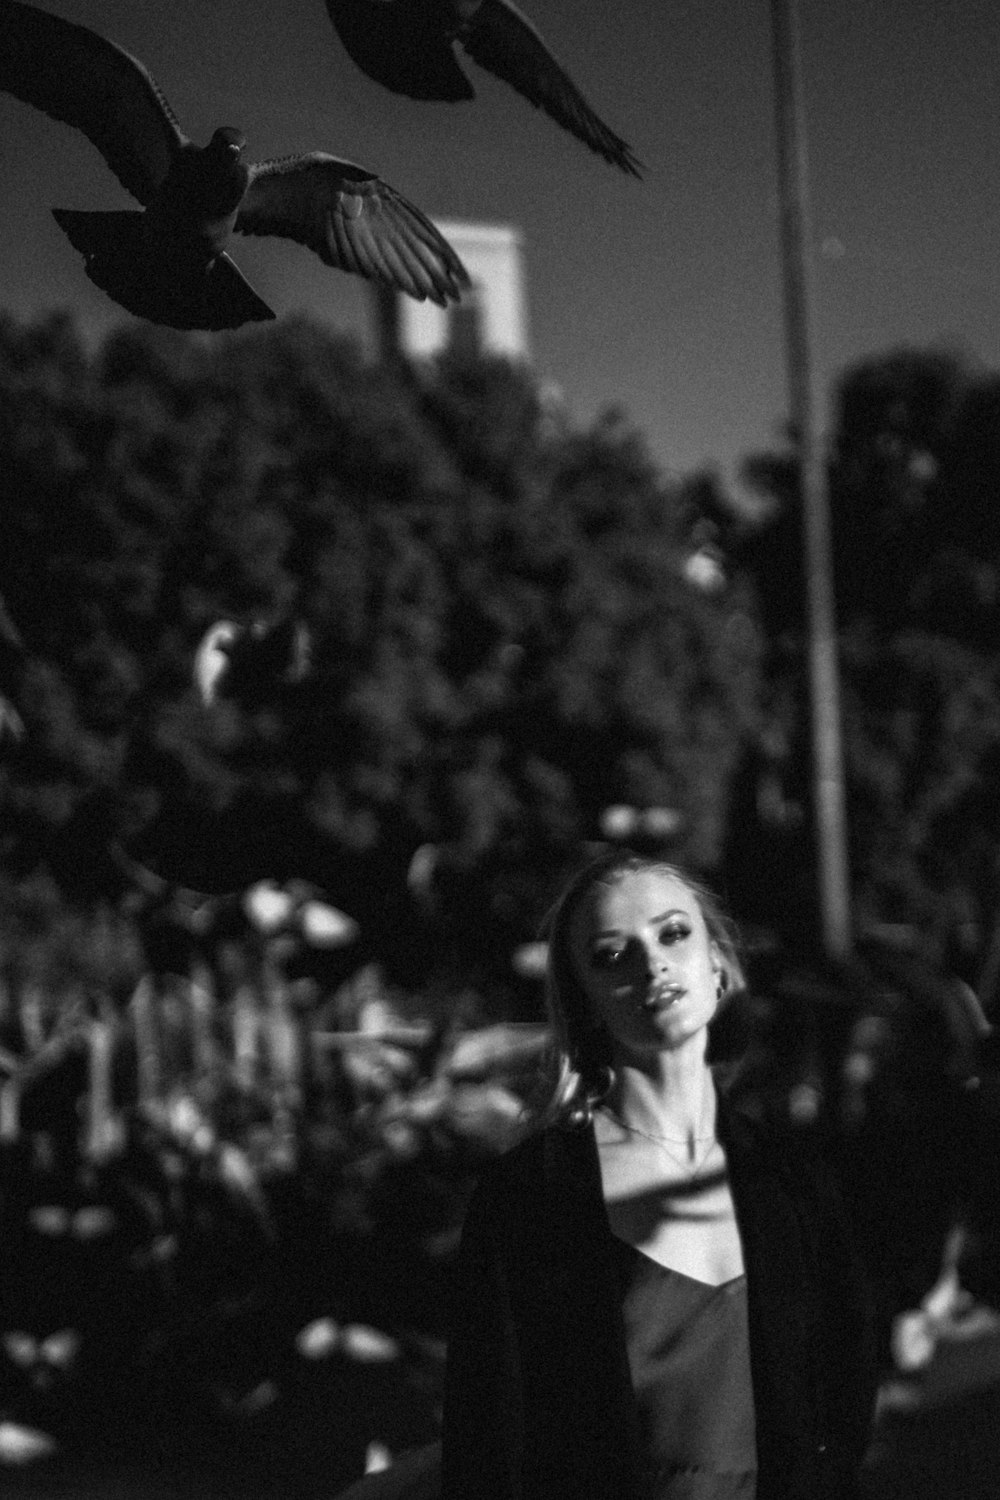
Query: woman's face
x,y
648,967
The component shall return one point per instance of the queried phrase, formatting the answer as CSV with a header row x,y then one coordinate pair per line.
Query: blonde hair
x,y
581,1057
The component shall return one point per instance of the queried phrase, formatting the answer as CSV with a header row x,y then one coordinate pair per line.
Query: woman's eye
x,y
606,958
674,934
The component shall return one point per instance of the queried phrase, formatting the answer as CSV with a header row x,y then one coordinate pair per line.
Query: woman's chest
x,y
682,1218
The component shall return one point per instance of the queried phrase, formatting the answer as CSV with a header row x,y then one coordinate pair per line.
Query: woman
x,y
657,1298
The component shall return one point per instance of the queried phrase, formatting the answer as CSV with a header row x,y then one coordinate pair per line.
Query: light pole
x,y
806,404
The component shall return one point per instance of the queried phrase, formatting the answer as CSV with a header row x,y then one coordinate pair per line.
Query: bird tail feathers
x,y
151,282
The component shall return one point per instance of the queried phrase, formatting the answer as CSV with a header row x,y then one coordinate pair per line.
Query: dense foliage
x,y
497,633
915,469
281,624
391,648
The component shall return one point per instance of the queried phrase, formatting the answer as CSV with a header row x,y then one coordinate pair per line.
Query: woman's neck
x,y
674,1098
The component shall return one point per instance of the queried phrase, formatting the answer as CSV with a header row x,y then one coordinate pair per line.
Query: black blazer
x,y
538,1397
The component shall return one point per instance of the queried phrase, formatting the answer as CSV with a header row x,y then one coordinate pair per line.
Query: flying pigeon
x,y
408,45
169,263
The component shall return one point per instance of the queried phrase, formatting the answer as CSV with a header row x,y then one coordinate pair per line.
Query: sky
x,y
661,297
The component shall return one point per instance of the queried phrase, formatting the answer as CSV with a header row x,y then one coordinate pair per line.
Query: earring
x,y
603,1083
592,1098
721,983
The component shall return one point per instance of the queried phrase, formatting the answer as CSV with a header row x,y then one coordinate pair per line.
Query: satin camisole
x,y
689,1357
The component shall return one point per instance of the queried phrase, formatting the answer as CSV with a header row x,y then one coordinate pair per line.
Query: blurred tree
x,y
504,631
915,467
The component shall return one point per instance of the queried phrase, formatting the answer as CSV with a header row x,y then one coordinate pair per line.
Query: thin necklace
x,y
665,1141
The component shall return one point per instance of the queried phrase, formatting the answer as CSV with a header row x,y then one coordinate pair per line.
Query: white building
x,y
492,316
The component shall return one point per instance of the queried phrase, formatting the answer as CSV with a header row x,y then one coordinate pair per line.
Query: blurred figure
x,y
939,1411
416,1475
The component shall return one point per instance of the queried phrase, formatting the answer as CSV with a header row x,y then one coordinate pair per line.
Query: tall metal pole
x,y
806,402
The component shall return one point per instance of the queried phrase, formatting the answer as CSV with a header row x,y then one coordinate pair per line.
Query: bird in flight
x,y
409,46
169,262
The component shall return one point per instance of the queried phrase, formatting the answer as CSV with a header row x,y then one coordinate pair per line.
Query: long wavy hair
x,y
581,1050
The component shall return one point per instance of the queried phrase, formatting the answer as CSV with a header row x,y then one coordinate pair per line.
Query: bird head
x,y
216,183
229,142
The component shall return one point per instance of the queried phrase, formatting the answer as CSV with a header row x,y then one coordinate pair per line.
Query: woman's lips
x,y
663,997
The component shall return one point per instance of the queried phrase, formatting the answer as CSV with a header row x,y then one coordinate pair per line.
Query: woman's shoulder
x,y
804,1155
544,1153
535,1147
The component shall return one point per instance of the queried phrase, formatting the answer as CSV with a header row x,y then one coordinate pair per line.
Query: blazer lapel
x,y
776,1256
585,1436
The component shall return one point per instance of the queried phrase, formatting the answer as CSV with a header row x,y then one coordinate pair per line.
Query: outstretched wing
x,y
504,42
76,76
402,44
353,220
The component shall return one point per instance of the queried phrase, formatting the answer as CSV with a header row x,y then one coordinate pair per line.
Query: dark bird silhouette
x,y
169,262
409,46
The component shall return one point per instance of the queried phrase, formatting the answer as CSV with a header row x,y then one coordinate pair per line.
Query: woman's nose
x,y
653,962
